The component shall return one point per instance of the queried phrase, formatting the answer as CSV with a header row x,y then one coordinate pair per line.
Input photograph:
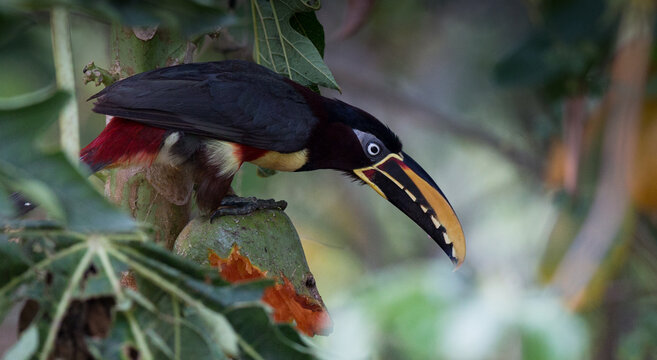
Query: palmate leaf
x,y
164,318
294,53
178,308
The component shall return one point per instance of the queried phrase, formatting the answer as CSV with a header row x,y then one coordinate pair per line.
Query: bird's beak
x,y
404,183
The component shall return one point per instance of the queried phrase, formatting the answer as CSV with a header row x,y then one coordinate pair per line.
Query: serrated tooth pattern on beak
x,y
435,221
422,200
447,240
410,194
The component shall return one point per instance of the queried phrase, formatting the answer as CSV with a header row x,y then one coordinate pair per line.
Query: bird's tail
x,y
122,142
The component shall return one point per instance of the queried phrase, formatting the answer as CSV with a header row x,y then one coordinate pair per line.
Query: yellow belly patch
x,y
282,162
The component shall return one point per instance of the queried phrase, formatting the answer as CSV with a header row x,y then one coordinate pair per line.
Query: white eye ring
x,y
373,149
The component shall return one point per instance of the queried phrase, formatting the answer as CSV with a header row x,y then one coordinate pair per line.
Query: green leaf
x,y
57,271
264,172
171,326
221,332
38,190
26,346
283,49
164,316
177,311
49,178
6,209
306,24
11,25
264,340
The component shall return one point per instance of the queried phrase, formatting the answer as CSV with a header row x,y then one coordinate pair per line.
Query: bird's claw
x,y
235,205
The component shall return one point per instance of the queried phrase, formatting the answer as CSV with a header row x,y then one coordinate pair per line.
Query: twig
x,y
63,57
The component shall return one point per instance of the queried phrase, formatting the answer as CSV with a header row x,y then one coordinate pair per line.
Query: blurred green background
x,y
511,106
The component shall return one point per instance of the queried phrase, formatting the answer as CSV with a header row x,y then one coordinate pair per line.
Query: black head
x,y
347,138
365,123
353,141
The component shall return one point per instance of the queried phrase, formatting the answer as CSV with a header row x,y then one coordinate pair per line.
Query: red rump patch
x,y
248,153
123,142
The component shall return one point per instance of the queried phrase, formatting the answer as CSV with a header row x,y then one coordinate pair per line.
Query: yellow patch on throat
x,y
282,162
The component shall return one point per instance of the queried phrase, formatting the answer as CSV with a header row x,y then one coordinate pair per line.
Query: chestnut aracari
x,y
210,118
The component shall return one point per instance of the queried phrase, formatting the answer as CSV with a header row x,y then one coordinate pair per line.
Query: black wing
x,y
231,100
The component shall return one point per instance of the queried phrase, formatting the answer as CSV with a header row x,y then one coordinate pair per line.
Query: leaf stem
x,y
19,279
176,328
155,278
63,57
64,301
144,350
111,274
169,287
249,350
256,43
280,36
266,36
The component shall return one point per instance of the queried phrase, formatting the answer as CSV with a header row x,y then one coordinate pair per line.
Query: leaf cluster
x,y
89,276
177,307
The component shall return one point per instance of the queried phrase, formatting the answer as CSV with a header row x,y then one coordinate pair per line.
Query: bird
x,y
212,117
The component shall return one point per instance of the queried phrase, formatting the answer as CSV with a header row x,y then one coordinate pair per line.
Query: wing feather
x,y
229,100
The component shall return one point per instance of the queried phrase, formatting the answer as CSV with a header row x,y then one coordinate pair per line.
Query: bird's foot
x,y
235,205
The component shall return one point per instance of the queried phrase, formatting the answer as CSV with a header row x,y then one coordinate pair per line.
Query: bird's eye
x,y
373,149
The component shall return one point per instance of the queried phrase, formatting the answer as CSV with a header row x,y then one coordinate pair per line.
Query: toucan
x,y
209,118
